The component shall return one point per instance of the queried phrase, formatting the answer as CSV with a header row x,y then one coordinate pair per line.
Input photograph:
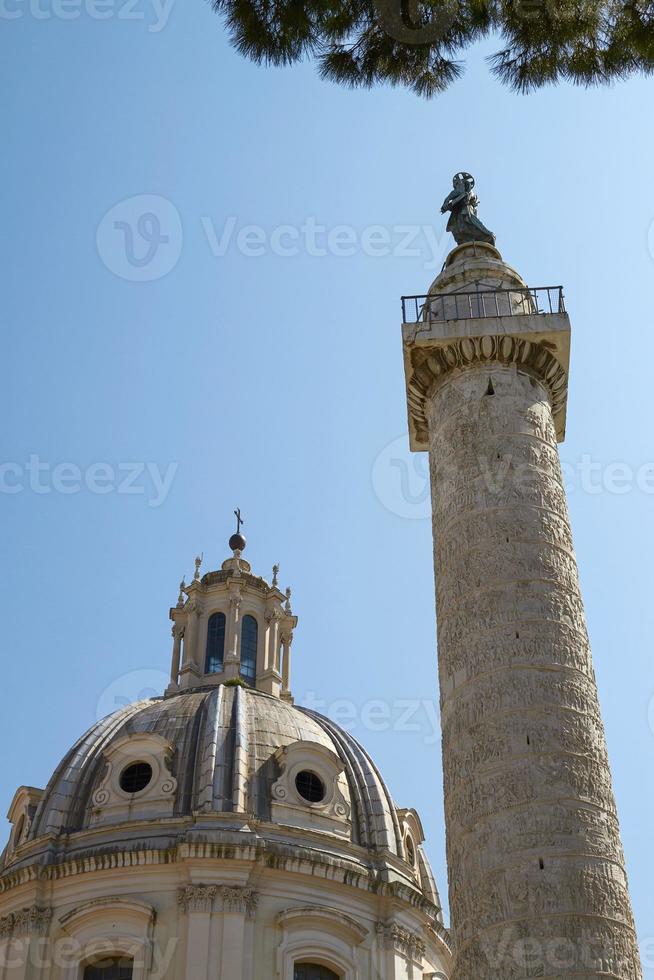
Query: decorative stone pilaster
x,y
272,616
234,898
394,937
232,638
22,933
269,677
238,907
32,920
192,669
177,634
197,901
286,642
242,901
536,870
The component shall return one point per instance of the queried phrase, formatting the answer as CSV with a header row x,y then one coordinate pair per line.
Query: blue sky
x,y
244,376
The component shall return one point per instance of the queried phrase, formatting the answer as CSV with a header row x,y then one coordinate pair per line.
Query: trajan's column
x,y
536,869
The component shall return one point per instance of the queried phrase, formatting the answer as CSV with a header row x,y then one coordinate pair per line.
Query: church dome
x,y
222,808
217,752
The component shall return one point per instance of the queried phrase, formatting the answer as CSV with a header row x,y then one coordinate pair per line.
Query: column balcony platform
x,y
447,331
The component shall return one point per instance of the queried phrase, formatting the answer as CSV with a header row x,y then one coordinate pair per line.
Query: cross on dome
x,y
237,542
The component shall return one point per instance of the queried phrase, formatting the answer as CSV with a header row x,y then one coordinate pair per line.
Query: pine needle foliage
x,y
419,44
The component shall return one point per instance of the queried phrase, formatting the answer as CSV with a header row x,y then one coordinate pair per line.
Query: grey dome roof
x,y
205,727
224,737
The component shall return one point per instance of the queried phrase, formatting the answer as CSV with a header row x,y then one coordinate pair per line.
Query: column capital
x,y
197,898
32,920
396,937
479,311
241,900
235,898
535,343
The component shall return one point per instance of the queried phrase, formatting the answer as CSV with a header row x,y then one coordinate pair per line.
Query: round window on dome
x,y
135,777
310,786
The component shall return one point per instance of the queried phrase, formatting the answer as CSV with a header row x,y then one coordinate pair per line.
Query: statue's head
x,y
463,181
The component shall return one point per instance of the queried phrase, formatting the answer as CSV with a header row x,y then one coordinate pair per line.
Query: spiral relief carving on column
x,y
537,883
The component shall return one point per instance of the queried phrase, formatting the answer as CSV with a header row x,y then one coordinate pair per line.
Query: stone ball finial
x,y
237,542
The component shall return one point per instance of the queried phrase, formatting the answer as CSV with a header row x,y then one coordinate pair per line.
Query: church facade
x,y
222,832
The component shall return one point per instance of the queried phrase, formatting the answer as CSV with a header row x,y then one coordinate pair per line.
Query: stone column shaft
x,y
196,901
177,649
286,662
534,851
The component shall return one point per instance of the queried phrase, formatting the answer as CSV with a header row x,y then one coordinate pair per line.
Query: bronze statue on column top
x,y
462,204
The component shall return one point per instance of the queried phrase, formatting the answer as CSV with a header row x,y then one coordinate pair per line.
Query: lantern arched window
x,y
249,643
215,652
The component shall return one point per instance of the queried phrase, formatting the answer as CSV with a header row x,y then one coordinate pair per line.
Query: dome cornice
x,y
262,857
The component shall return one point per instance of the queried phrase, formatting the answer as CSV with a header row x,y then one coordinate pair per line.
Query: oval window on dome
x,y
310,786
135,777
410,852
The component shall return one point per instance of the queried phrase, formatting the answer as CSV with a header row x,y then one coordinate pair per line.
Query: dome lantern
x,y
232,626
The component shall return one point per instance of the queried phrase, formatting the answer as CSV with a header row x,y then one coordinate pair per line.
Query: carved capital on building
x,y
34,920
197,898
243,900
428,365
200,898
533,341
395,937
